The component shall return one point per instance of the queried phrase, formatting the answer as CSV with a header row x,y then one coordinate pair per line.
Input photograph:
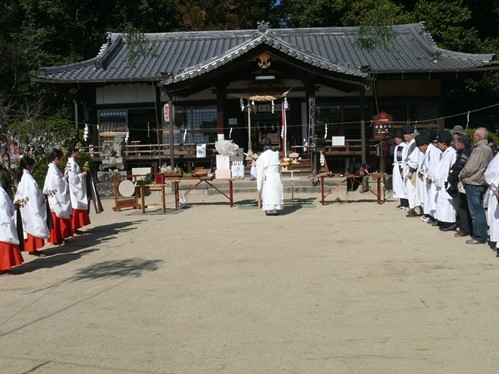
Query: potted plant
x,y
145,183
175,172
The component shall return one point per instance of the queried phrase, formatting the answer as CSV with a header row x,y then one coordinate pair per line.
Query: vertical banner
x,y
284,130
166,112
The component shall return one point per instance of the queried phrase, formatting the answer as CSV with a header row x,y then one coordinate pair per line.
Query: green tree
x,y
449,22
299,13
197,15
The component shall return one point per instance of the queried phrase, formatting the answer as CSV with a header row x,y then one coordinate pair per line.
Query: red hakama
x,y
79,219
32,243
10,256
61,229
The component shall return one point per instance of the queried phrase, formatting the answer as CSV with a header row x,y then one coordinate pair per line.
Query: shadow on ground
x,y
76,247
131,267
289,207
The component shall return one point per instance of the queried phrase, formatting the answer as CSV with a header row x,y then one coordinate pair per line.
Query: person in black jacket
x,y
462,143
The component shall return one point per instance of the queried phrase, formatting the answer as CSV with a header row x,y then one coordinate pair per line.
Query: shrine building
x,y
180,89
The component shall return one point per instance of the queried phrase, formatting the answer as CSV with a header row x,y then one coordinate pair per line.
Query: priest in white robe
x,y
432,158
492,179
269,182
398,186
446,210
411,161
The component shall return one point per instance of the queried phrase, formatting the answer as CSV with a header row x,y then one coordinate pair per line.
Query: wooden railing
x,y
137,151
160,153
352,147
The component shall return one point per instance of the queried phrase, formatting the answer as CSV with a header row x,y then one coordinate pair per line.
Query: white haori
x,y
57,189
446,211
491,176
411,160
398,188
432,158
8,232
77,185
34,209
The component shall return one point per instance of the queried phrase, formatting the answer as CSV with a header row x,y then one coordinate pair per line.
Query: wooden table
x,y
206,180
379,193
292,179
152,187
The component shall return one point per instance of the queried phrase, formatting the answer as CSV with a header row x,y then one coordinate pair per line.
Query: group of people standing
x,y
448,179
30,217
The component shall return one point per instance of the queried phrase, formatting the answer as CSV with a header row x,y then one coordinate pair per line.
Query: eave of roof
x,y
273,42
181,56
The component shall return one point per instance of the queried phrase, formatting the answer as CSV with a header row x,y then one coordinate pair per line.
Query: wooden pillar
x,y
363,128
171,124
311,113
159,114
221,100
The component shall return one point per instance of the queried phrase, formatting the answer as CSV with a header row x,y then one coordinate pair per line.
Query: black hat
x,y
421,140
267,144
444,137
408,129
399,134
430,134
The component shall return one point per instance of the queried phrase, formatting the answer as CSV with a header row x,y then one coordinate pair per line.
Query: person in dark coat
x,y
462,143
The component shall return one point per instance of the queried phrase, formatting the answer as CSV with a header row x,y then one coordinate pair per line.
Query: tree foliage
x,y
225,15
35,33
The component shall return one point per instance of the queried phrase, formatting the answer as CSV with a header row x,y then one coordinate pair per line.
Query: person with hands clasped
x,y
56,189
10,254
33,209
77,191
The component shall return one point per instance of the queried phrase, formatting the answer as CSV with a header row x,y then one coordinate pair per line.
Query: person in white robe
x,y
432,158
57,189
10,254
33,209
422,181
446,210
77,191
411,160
398,188
492,179
269,181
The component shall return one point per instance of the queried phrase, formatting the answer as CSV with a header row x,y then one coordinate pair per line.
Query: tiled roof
x,y
180,56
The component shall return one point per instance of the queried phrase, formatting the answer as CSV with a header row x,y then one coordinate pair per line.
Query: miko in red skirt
x,y
32,207
56,188
10,254
77,191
